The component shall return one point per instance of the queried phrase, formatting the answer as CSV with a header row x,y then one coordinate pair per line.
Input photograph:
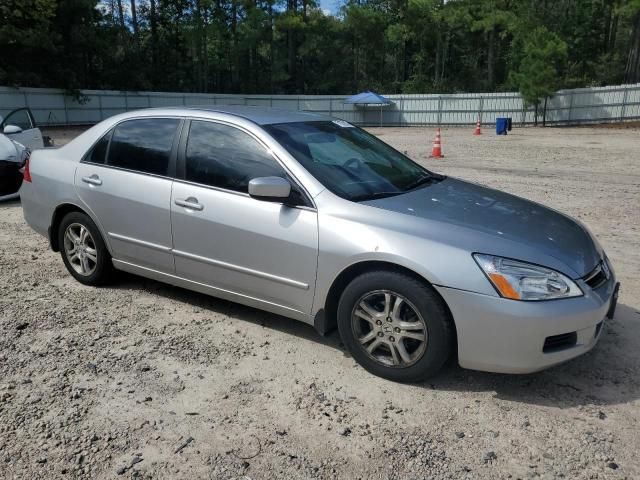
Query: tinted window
x,y
225,157
349,161
99,150
19,118
143,145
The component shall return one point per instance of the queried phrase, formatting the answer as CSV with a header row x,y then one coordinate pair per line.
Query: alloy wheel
x,y
80,249
389,329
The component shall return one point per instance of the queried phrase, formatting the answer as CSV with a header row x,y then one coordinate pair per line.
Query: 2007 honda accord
x,y
312,218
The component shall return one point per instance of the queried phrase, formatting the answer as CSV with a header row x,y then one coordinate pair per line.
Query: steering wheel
x,y
353,162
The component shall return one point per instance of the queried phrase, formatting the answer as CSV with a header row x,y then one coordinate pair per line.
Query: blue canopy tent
x,y
369,99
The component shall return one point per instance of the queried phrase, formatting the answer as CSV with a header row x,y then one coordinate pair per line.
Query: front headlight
x,y
524,281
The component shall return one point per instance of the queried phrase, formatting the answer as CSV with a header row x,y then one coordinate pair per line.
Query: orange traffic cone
x,y
436,150
477,130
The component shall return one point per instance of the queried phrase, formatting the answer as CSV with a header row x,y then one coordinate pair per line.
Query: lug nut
x,y
389,319
392,339
380,334
378,322
397,330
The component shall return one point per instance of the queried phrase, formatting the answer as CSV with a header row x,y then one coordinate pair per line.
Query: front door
x,y
28,134
263,251
125,180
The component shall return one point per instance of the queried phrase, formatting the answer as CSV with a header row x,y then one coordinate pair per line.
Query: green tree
x,y
291,46
631,10
538,76
24,40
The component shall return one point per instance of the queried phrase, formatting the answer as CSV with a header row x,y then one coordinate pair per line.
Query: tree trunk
x,y
405,62
134,21
382,65
302,80
291,50
607,27
121,15
154,37
201,46
354,54
197,46
271,47
205,52
491,60
632,72
445,54
544,112
613,33
436,68
235,68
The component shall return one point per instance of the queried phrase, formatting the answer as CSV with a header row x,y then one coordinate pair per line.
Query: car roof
x,y
260,115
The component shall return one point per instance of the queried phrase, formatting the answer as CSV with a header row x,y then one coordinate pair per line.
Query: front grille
x,y
596,277
560,342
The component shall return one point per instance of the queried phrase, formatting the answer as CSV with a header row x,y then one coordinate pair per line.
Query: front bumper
x,y
508,336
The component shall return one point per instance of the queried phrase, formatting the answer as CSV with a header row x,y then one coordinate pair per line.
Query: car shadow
x,y
9,201
608,375
127,281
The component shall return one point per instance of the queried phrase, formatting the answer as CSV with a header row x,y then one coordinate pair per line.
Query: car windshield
x,y
349,161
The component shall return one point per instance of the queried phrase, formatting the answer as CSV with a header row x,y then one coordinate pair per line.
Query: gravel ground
x,y
144,380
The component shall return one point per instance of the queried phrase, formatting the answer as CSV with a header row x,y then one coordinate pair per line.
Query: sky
x,y
330,7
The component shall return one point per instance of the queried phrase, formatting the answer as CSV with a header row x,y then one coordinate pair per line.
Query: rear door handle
x,y
92,180
191,203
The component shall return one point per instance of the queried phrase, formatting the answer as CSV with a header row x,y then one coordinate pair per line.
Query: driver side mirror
x,y
9,129
269,188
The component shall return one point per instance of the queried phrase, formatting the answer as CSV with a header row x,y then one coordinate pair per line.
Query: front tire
x,y
83,250
395,326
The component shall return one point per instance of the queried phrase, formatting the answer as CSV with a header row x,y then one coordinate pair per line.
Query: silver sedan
x,y
312,218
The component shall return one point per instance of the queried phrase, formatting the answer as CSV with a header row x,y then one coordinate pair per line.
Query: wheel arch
x,y
325,319
59,213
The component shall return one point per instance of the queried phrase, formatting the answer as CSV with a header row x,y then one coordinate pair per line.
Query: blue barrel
x,y
502,124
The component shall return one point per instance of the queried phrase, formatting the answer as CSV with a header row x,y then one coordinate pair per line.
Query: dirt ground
x,y
144,380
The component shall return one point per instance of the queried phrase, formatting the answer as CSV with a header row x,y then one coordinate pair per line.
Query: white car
x,y
20,126
19,135
13,156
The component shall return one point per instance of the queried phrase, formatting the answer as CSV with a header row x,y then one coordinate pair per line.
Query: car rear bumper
x,y
36,213
507,336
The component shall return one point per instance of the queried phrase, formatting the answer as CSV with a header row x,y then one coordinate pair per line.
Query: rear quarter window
x,y
98,152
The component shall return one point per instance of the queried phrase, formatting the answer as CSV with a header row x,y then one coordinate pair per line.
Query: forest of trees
x,y
292,46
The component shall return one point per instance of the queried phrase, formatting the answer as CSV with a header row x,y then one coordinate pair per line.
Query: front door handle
x,y
191,203
92,180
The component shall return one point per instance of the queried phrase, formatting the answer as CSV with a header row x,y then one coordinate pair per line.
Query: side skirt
x,y
211,290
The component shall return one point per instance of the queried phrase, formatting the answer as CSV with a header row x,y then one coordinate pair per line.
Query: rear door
x,y
30,136
125,180
260,250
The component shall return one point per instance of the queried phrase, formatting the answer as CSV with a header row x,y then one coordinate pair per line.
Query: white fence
x,y
567,107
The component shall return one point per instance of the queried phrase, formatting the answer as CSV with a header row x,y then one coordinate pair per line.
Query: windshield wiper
x,y
425,179
374,195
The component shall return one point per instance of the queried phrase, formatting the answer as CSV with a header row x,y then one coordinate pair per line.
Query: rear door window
x,y
143,145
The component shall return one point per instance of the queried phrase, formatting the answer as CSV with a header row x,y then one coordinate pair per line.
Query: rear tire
x,y
395,326
83,250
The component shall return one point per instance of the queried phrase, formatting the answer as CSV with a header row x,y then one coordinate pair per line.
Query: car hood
x,y
504,217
